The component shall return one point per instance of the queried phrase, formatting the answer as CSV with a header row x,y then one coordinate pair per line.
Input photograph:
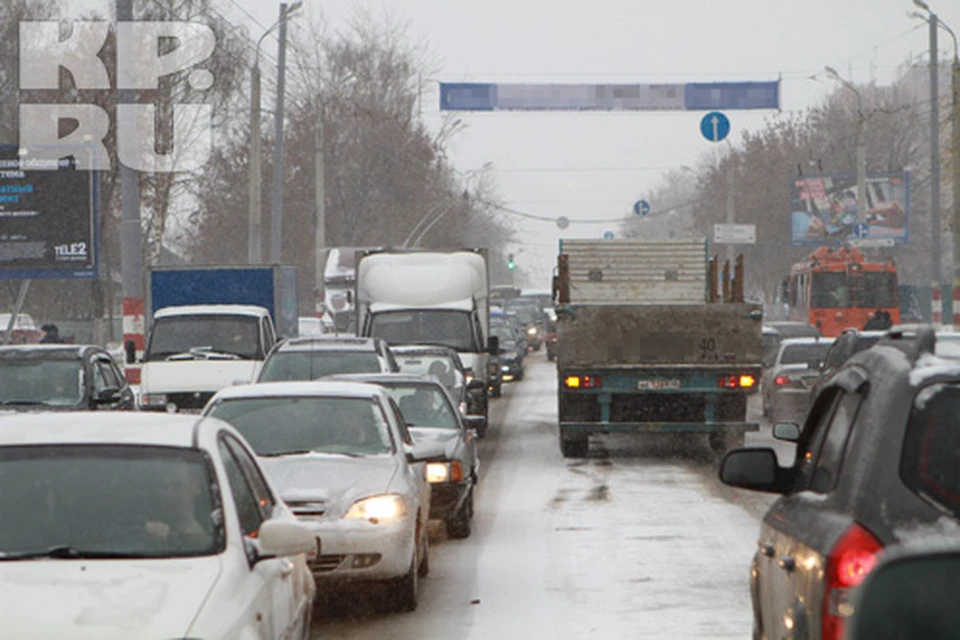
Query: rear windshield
x,y
930,463
291,425
316,364
804,353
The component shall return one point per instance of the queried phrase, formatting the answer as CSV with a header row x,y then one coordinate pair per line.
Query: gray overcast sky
x,y
624,41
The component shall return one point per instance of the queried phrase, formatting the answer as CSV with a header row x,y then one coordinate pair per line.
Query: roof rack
x,y
913,344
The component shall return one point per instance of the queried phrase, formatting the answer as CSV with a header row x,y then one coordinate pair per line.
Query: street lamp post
x,y
861,147
255,213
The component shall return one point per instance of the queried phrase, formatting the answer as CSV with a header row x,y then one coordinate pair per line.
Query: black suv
x,y
312,358
877,463
61,377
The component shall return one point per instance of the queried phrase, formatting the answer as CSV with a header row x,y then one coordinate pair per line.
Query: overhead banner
x,y
823,210
694,96
48,218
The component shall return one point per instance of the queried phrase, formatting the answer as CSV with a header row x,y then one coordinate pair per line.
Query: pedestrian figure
x,y
51,334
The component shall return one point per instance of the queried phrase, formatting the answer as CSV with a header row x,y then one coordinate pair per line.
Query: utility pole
x,y
254,242
276,238
131,250
731,183
936,271
955,126
320,217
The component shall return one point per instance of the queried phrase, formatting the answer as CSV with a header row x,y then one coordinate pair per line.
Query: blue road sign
x,y
608,235
861,230
715,126
641,207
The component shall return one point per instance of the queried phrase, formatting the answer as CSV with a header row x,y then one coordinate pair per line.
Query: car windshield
x,y
310,365
288,425
446,328
107,501
32,380
527,311
804,353
424,406
221,334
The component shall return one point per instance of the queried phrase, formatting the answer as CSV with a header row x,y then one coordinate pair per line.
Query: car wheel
x,y
497,390
520,375
575,447
406,590
458,527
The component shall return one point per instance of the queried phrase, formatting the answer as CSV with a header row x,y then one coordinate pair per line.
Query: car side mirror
x,y
425,452
281,538
786,431
755,469
108,395
130,351
911,594
493,345
476,385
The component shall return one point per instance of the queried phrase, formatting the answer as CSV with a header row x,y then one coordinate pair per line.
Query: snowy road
x,y
638,541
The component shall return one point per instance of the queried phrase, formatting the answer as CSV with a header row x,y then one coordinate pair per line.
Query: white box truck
x,y
434,297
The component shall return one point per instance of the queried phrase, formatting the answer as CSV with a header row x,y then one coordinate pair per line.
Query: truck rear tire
x,y
720,443
574,447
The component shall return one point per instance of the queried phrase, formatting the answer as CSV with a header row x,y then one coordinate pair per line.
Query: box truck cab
x,y
429,297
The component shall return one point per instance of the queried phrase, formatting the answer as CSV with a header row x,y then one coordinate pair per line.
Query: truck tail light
x,y
744,381
853,556
582,382
782,381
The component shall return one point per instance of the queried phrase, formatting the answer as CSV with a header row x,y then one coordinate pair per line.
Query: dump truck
x,y
652,338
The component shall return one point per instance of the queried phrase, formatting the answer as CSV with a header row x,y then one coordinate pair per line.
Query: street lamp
x,y
861,146
255,214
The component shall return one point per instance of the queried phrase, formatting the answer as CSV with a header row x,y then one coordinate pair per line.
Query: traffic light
x,y
510,263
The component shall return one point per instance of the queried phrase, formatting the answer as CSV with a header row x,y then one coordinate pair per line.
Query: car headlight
x,y
376,508
532,331
444,471
154,399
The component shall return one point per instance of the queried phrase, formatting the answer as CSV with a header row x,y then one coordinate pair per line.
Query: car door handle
x,y
787,563
766,549
286,569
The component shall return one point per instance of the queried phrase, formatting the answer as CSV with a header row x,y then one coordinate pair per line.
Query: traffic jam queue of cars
x,y
226,524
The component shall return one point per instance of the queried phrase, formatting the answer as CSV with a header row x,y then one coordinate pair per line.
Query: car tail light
x,y
853,556
782,381
582,382
736,382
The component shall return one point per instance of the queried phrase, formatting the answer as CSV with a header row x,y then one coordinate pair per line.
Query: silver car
x,y
344,461
786,384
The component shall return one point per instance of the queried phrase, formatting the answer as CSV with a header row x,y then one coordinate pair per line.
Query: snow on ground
x,y
638,541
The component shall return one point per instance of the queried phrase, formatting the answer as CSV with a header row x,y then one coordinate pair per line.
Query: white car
x,y
344,461
132,525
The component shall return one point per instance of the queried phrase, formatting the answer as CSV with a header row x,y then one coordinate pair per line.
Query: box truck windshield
x,y
454,329
234,335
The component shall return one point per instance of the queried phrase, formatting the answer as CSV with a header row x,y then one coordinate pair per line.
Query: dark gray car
x,y
432,418
62,377
877,463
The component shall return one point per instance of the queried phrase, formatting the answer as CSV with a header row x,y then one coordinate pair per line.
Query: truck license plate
x,y
656,385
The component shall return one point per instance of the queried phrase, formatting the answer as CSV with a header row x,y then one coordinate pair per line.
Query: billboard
x,y
48,218
691,96
823,209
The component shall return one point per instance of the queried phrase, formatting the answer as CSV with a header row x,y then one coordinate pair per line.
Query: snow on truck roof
x,y
422,278
455,305
212,309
